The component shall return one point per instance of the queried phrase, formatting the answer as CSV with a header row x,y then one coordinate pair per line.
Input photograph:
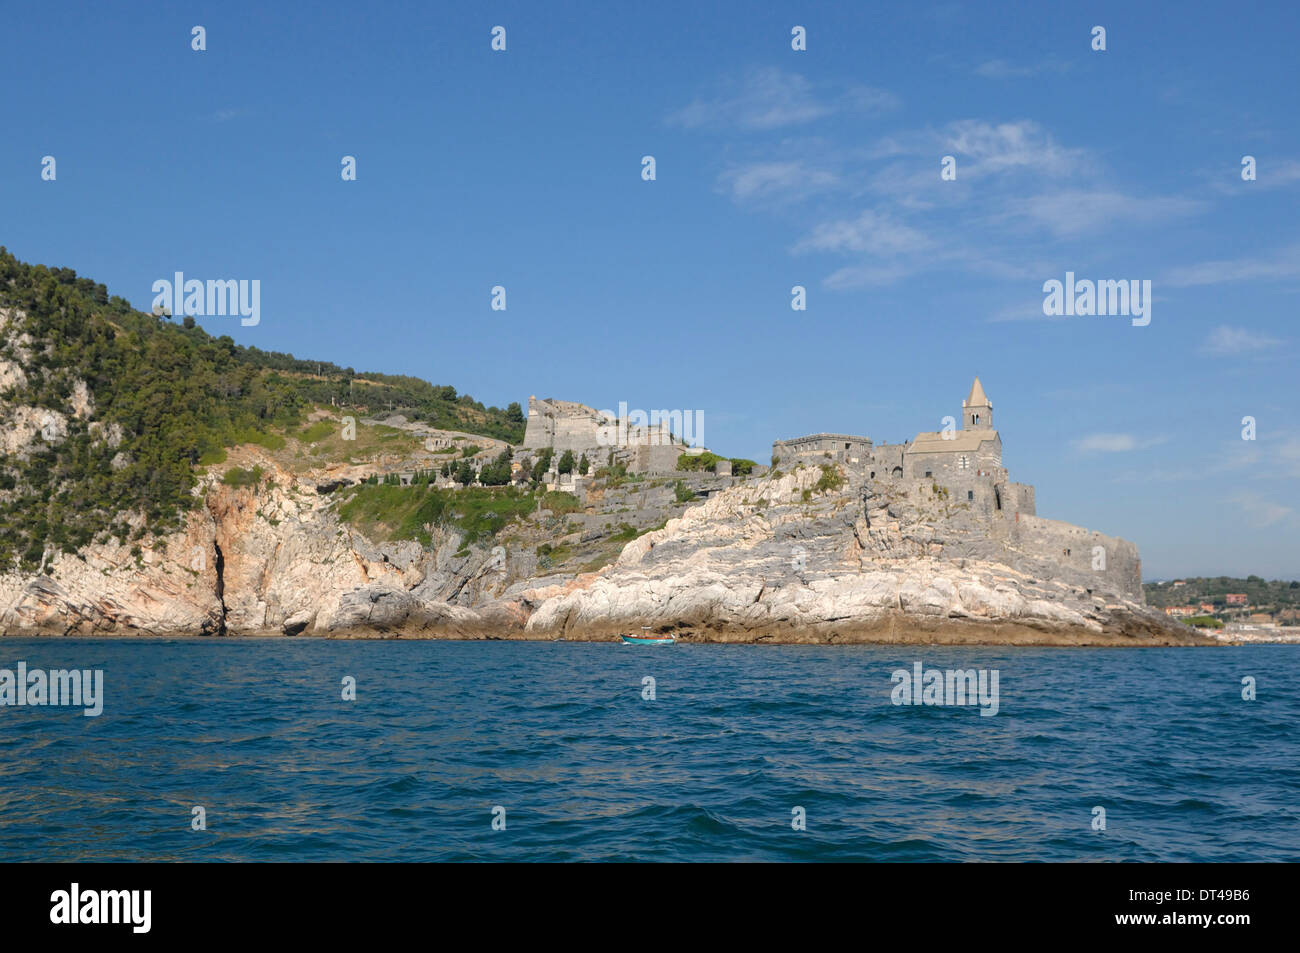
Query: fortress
x,y
966,462
955,477
645,447
992,516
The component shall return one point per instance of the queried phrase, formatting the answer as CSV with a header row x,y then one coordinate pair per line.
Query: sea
x,y
400,750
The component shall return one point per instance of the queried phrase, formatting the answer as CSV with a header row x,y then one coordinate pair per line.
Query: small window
x,y
873,474
970,494
846,446
928,473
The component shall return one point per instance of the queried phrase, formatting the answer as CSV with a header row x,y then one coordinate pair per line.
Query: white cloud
x,y
1001,69
1225,340
1023,312
1288,170
792,179
1284,263
985,148
1075,211
1262,512
1010,145
770,98
1114,443
857,276
1287,463
871,232
869,99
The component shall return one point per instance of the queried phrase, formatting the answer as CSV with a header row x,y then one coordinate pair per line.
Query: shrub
x,y
832,478
238,476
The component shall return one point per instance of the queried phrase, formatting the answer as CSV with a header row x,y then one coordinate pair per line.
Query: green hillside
x,y
1278,598
178,395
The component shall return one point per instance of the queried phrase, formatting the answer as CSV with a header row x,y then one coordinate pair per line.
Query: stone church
x,y
967,462
961,470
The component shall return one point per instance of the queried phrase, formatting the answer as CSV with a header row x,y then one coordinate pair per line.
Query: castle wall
x,y
820,447
540,430
1019,498
660,458
886,462
1073,555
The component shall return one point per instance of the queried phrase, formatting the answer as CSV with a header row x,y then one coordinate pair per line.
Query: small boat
x,y
645,638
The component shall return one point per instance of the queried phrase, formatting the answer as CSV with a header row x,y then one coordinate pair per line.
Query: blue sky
x,y
775,168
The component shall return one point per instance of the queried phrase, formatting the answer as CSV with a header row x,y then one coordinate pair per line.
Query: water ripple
x,y
739,742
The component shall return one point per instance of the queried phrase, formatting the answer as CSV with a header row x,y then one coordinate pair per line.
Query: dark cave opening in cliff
x,y
220,563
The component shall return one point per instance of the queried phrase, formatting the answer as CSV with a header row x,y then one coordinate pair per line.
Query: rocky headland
x,y
771,558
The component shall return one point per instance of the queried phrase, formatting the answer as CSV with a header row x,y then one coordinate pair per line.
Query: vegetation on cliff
x,y
164,398
390,513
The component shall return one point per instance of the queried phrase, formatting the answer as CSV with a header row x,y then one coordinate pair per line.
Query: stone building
x,y
837,447
644,447
965,462
963,467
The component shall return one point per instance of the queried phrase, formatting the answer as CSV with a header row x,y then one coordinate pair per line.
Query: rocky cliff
x,y
772,559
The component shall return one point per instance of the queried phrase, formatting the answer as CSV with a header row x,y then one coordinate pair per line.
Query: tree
x,y
566,462
542,464
584,465
497,473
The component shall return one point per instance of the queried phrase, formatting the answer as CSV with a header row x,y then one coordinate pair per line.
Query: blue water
x,y
558,734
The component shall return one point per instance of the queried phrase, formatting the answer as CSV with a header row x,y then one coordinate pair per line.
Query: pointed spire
x,y
977,398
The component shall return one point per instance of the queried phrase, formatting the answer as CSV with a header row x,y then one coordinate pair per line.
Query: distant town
x,y
1233,605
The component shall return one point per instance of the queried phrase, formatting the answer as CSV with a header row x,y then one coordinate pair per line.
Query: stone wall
x,y
566,425
820,447
1075,555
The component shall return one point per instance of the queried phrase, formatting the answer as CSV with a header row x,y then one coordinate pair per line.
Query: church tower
x,y
976,410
